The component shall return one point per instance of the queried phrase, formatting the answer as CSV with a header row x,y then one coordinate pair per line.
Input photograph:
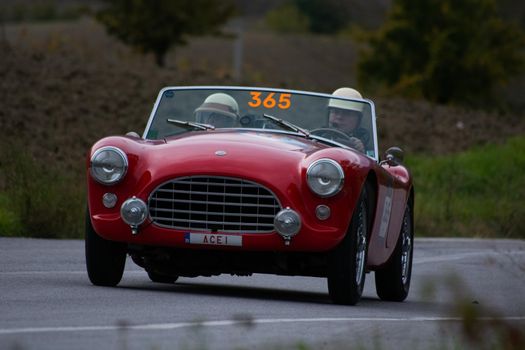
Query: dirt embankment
x,y
61,91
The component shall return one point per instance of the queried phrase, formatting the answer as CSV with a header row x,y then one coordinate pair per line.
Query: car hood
x,y
246,154
248,139
276,160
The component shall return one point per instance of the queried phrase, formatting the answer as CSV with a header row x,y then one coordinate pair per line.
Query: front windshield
x,y
323,117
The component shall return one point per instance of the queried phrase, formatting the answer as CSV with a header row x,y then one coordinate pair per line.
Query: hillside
x,y
65,85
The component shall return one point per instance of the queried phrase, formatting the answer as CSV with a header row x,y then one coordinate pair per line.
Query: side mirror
x,y
394,156
133,134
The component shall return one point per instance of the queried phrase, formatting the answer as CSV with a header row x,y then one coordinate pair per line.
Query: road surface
x,y
47,302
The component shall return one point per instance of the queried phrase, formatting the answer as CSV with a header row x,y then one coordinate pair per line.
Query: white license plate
x,y
213,239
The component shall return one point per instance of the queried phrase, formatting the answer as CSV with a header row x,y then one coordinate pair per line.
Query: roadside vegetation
x,y
477,193
63,85
42,11
174,22
38,200
66,84
446,51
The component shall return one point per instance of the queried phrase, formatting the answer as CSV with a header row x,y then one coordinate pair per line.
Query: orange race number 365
x,y
272,100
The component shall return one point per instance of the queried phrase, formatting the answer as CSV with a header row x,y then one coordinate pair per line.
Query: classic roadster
x,y
244,180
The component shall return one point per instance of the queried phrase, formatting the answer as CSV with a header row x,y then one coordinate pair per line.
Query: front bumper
x,y
315,239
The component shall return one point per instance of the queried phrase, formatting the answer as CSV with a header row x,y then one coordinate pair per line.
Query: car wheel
x,y
347,263
105,259
393,280
160,278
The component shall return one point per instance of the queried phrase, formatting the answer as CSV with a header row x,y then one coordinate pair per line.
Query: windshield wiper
x,y
305,132
191,125
287,125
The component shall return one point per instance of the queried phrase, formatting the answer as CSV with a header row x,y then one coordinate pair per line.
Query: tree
x,y
314,16
287,18
158,25
325,16
444,50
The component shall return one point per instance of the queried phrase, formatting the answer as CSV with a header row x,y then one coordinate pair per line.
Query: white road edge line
x,y
461,256
218,323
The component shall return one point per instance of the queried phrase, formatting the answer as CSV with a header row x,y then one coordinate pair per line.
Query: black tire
x,y
347,263
105,259
393,280
160,278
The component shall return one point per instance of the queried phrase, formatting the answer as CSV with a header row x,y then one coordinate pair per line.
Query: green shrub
x,y
9,223
324,16
314,16
156,26
455,51
287,19
38,200
476,193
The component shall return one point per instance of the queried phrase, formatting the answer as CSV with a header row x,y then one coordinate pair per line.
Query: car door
x,y
388,215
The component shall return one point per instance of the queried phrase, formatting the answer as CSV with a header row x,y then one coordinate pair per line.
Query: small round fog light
x,y
322,212
133,211
287,223
109,200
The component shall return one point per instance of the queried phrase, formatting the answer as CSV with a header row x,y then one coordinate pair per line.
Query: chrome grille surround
x,y
215,204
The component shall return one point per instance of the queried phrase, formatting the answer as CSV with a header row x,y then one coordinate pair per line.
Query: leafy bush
x,y
475,193
315,16
156,26
287,19
38,200
325,16
444,50
9,223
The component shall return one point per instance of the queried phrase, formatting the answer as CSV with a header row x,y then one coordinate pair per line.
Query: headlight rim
x,y
144,213
117,150
296,229
339,170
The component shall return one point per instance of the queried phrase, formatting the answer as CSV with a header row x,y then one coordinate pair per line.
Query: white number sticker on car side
x,y
387,210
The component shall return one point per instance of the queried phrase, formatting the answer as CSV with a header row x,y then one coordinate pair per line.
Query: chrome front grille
x,y
214,204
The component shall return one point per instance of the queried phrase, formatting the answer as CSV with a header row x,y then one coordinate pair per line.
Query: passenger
x,y
346,116
220,110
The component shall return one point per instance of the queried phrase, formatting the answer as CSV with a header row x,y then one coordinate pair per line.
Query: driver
x,y
220,110
346,116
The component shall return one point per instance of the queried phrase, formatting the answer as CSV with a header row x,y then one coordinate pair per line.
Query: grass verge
x,y
37,199
477,193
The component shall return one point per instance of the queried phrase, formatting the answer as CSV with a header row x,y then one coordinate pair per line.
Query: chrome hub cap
x,y
406,249
361,245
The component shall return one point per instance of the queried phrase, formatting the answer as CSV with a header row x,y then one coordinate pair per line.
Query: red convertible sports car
x,y
243,180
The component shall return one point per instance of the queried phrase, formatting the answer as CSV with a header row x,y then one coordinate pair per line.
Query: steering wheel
x,y
339,136
331,134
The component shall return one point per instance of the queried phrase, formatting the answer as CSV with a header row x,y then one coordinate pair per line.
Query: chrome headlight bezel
x,y
287,223
325,177
134,211
119,168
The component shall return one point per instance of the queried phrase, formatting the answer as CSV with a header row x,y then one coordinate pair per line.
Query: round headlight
x,y
109,165
287,223
133,211
325,177
109,200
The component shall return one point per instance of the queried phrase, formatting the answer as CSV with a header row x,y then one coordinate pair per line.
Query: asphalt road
x,y
47,302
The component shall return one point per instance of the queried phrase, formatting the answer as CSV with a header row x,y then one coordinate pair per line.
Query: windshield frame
x,y
265,89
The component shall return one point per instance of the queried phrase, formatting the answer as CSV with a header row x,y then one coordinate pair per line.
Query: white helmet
x,y
220,110
342,104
